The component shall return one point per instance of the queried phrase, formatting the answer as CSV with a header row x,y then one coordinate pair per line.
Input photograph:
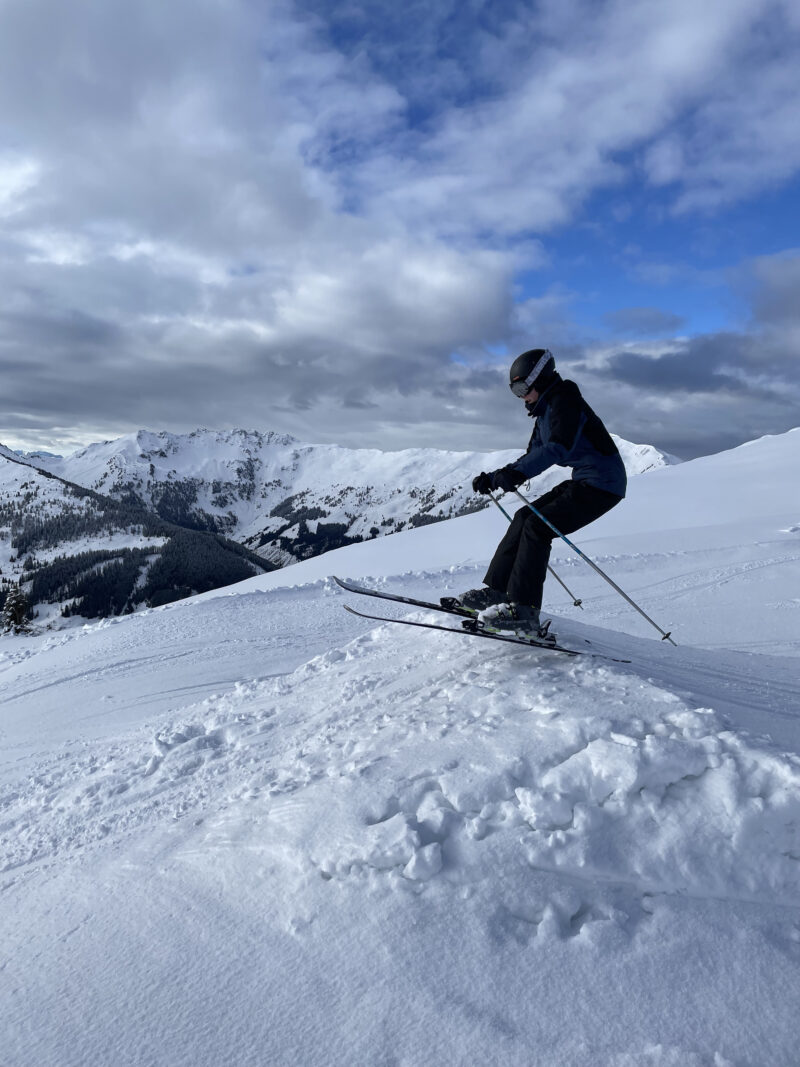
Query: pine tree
x,y
16,611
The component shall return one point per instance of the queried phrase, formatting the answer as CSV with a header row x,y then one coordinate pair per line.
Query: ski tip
x,y
362,614
344,584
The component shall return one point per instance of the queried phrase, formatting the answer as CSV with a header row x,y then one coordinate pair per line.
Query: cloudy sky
x,y
341,220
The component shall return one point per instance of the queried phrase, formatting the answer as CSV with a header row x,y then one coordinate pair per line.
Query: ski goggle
x,y
522,386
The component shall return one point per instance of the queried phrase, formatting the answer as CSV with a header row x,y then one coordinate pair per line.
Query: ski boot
x,y
518,618
474,599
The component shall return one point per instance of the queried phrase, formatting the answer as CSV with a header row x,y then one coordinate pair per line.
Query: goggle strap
x,y
538,368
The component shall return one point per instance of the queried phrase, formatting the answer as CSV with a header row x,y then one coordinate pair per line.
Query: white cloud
x,y
17,177
58,248
606,84
742,138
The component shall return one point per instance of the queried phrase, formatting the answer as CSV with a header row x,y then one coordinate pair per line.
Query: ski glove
x,y
482,483
507,479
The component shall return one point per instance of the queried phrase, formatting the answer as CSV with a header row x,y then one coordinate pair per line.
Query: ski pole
x,y
665,636
575,601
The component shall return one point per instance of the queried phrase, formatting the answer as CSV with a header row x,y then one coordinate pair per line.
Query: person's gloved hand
x,y
507,479
482,483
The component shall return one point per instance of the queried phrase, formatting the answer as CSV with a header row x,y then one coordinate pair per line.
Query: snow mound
x,y
539,764
581,769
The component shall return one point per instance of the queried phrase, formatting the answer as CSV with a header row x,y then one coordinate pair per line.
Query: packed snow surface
x,y
251,828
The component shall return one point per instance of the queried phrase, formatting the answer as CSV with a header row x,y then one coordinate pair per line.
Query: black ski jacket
x,y
568,433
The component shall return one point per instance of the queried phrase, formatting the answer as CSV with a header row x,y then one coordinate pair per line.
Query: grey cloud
x,y
700,364
774,286
762,361
353,402
75,332
646,321
713,393
736,363
175,372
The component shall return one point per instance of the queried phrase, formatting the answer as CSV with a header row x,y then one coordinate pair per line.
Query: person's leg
x,y
505,555
529,568
570,506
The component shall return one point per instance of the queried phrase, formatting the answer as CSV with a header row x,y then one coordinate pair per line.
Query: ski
x,y
478,631
448,605
471,625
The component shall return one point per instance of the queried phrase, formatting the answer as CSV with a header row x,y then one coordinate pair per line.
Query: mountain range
x,y
288,500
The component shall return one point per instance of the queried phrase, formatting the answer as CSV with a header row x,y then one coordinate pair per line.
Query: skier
x,y
567,433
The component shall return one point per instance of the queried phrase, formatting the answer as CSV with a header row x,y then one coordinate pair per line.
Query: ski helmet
x,y
532,370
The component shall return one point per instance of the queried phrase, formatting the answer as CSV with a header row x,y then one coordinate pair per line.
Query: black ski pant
x,y
519,565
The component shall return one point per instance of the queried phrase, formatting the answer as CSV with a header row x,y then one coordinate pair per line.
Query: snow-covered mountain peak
x,y
171,451
639,459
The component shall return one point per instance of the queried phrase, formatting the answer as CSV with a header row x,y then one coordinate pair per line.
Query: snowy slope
x,y
291,500
66,545
250,828
28,493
